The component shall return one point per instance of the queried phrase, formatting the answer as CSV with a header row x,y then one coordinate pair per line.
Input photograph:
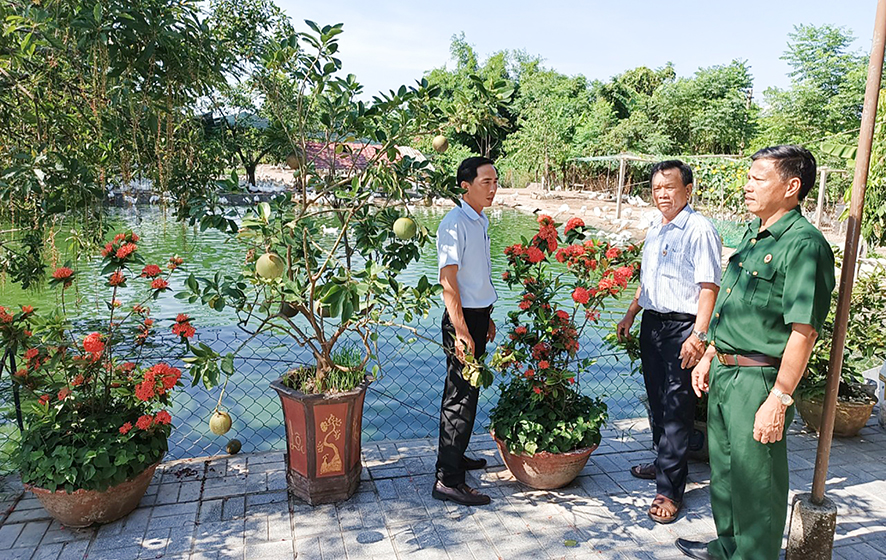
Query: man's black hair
x,y
791,161
685,170
467,171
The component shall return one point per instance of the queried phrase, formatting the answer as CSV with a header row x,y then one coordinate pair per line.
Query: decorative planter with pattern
x,y
323,444
850,416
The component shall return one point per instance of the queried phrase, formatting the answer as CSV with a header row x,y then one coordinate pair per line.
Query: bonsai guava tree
x,y
321,261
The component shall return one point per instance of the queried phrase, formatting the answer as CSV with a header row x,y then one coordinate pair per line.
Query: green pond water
x,y
403,403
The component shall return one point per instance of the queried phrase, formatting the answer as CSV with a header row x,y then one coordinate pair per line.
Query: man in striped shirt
x,y
679,281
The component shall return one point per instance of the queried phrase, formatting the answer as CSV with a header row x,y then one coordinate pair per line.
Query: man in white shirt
x,y
466,275
679,280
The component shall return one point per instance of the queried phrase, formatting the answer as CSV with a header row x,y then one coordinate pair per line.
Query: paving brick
x,y
18,553
268,498
74,550
211,511
175,509
282,550
47,551
168,493
190,491
23,516
234,507
9,533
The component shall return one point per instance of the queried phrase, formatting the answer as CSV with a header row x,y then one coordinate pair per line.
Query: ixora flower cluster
x,y
564,288
94,416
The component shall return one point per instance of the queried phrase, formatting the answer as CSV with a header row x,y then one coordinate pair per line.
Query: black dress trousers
x,y
669,388
459,407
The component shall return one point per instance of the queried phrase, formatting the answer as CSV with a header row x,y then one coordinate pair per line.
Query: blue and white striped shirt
x,y
677,258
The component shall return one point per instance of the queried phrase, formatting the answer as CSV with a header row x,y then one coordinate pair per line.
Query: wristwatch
x,y
782,397
702,336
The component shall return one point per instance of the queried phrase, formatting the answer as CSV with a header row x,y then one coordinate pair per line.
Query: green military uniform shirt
x,y
779,276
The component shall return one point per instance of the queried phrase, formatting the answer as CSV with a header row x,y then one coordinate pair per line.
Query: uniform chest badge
x,y
767,258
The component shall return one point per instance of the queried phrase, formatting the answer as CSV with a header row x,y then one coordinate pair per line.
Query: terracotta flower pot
x,y
545,471
82,508
850,418
322,442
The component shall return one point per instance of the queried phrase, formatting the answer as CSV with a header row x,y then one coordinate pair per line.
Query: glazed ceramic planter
x,y
850,416
322,442
82,508
545,471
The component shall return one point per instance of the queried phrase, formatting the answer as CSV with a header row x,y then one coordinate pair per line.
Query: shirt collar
x,y
680,219
468,210
783,224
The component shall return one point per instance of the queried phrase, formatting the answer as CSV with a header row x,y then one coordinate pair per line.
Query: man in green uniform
x,y
774,297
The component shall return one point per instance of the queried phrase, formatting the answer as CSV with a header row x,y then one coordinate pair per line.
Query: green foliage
x,y
94,94
532,426
865,344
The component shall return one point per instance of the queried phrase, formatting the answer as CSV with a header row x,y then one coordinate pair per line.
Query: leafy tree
x,y
93,94
827,88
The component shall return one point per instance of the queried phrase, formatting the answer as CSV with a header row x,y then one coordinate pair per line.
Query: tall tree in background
x,y
827,88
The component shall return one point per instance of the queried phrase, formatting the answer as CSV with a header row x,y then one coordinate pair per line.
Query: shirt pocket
x,y
761,285
671,262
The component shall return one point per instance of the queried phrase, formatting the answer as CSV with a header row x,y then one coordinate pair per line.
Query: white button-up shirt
x,y
677,258
463,240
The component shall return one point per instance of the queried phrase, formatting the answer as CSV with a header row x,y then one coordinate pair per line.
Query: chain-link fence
x,y
403,403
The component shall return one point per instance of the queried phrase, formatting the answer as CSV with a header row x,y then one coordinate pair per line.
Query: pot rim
x,y
35,489
281,388
852,404
579,451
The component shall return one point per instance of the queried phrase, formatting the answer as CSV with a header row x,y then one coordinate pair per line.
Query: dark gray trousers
x,y
669,388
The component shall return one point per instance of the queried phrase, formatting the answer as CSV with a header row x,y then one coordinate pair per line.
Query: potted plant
x,y
95,416
322,261
544,426
865,347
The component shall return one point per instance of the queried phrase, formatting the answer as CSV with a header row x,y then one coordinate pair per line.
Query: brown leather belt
x,y
748,360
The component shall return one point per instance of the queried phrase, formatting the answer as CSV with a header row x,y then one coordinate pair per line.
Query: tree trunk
x,y
250,173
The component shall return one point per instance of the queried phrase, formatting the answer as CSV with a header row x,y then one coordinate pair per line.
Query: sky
x,y
388,43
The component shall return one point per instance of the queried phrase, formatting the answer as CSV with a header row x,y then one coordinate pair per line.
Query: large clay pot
x,y
545,471
322,442
850,417
82,508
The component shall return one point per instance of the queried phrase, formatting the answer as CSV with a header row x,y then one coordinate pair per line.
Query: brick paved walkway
x,y
237,507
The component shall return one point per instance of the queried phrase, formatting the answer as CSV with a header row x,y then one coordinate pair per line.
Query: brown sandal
x,y
645,471
663,503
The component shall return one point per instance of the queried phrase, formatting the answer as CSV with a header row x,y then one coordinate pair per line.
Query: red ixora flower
x,y
64,393
175,262
535,255
125,250
580,295
573,223
44,400
613,252
163,417
183,327
93,343
26,309
151,271
537,390
124,429
62,273
144,422
159,284
520,330
544,364
116,279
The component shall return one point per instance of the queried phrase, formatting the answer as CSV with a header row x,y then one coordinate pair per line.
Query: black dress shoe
x,y
694,549
472,464
461,494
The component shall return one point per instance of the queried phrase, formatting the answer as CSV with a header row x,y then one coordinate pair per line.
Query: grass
x,y
348,356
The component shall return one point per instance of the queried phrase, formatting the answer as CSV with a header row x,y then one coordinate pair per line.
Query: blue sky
x,y
388,43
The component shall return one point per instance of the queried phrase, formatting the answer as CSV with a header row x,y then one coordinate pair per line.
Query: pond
x,y
402,404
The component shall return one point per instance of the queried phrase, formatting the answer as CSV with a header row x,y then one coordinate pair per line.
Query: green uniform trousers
x,y
749,480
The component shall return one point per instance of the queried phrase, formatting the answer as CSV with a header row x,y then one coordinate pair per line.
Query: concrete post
x,y
811,532
622,164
